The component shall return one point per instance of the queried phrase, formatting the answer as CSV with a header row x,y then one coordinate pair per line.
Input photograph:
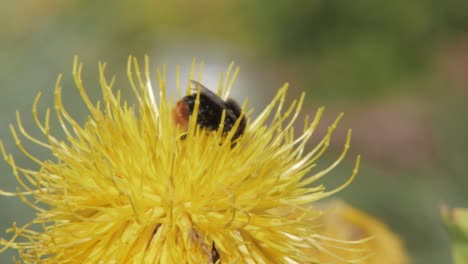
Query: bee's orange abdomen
x,y
181,114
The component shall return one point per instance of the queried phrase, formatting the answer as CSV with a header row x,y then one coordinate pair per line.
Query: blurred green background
x,y
398,69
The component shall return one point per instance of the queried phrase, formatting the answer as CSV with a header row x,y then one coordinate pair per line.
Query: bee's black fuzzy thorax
x,y
210,114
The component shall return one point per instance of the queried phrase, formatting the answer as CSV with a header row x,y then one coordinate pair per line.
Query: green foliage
x,y
369,47
456,221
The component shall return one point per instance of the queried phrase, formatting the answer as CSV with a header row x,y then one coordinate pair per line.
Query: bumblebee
x,y
210,111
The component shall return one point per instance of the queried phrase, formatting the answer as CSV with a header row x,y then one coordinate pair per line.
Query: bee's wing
x,y
207,92
212,96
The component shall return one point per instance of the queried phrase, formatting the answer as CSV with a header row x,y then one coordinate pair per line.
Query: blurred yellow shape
x,y
344,222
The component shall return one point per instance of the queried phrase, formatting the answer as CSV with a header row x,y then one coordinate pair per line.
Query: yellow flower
x,y
347,223
126,188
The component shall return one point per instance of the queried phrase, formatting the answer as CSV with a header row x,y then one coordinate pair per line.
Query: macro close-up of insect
x,y
219,132
210,111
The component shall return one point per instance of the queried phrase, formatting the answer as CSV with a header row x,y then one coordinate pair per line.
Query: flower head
x,y
341,221
126,187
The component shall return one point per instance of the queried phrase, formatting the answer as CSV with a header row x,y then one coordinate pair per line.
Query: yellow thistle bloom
x,y
125,188
347,223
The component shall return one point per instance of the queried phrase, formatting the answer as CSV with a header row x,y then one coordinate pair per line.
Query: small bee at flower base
x,y
215,258
210,111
